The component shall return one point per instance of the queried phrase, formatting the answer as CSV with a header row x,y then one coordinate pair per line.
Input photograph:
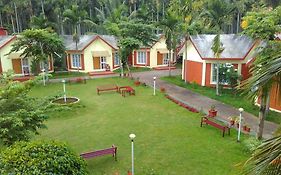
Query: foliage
x,y
38,44
251,144
229,75
41,157
20,114
266,159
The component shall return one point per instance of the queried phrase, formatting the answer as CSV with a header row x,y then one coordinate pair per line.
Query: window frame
x,y
142,59
214,73
76,61
116,58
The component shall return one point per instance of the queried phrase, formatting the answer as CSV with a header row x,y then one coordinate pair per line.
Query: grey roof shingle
x,y
5,39
84,40
235,46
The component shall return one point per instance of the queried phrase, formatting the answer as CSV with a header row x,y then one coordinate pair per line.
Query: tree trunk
x,y
169,63
17,19
1,21
262,114
163,10
42,8
217,83
238,22
185,54
13,25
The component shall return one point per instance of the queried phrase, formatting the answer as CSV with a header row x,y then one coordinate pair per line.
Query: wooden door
x,y
159,58
96,62
17,66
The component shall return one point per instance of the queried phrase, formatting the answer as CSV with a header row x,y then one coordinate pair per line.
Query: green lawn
x,y
56,75
227,97
169,139
133,69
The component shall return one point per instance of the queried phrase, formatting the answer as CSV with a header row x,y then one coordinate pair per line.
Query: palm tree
x,y
170,26
266,160
217,48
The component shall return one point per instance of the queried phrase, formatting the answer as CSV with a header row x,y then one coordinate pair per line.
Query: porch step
x,y
23,78
101,73
164,68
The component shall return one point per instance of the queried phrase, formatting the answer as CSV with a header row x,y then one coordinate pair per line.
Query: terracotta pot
x,y
137,83
232,122
245,128
248,129
212,113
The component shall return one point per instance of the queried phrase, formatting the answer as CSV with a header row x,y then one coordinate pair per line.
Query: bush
x,y
41,157
251,144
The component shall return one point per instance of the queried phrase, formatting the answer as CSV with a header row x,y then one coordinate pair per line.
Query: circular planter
x,y
69,101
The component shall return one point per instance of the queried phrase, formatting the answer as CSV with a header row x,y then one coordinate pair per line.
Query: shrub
x,y
251,144
41,157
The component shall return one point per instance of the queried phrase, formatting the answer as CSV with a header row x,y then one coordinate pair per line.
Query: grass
x,y
56,75
227,97
133,69
168,140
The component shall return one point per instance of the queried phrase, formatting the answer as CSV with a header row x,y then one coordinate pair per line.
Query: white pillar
x,y
240,123
154,85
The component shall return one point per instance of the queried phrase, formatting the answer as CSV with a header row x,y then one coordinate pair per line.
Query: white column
x,y
203,73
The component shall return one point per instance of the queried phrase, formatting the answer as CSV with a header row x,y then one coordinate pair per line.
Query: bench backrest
x,y
97,153
214,124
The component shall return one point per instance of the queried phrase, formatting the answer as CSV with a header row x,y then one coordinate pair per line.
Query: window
x,y
222,73
116,58
103,62
76,60
141,59
165,59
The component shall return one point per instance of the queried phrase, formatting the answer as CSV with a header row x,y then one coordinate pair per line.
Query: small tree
x,y
41,157
38,45
20,114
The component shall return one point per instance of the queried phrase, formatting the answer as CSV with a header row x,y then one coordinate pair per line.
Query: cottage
x,y
153,57
93,53
199,65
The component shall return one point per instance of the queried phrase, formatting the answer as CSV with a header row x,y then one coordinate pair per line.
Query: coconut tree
x,y
217,49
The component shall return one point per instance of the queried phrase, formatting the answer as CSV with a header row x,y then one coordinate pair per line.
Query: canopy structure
x,y
100,53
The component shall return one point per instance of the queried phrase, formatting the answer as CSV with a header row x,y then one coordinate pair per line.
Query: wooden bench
x,y
107,88
128,89
207,121
102,152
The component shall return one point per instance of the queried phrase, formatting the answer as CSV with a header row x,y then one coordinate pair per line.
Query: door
x,y
25,66
102,62
96,62
17,66
159,58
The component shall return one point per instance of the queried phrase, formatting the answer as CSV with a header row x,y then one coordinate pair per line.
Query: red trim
x,y
135,57
8,42
162,36
98,37
148,57
82,62
68,61
195,47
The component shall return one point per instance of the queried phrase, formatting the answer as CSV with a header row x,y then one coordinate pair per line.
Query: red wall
x,y
208,75
193,71
275,98
3,31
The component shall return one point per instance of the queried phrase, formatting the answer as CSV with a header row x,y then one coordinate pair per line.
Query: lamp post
x,y
43,75
64,93
132,136
240,123
154,85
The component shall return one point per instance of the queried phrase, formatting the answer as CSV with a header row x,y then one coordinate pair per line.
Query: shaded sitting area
x,y
126,89
110,87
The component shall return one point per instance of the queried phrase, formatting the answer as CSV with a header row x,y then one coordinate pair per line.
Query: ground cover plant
x,y
169,139
228,96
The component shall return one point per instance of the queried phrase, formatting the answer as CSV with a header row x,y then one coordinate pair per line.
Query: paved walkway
x,y
201,102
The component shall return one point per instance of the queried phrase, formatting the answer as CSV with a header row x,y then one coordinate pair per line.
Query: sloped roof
x,y
235,46
85,40
5,39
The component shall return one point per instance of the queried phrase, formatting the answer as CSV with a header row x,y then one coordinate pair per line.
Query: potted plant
x,y
248,129
162,89
137,81
232,120
245,127
213,112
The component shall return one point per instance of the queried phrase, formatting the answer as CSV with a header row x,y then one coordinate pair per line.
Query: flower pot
x,y
237,124
212,113
248,129
137,83
245,128
232,122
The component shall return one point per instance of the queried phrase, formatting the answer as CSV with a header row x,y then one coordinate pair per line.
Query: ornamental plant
x,y
41,157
